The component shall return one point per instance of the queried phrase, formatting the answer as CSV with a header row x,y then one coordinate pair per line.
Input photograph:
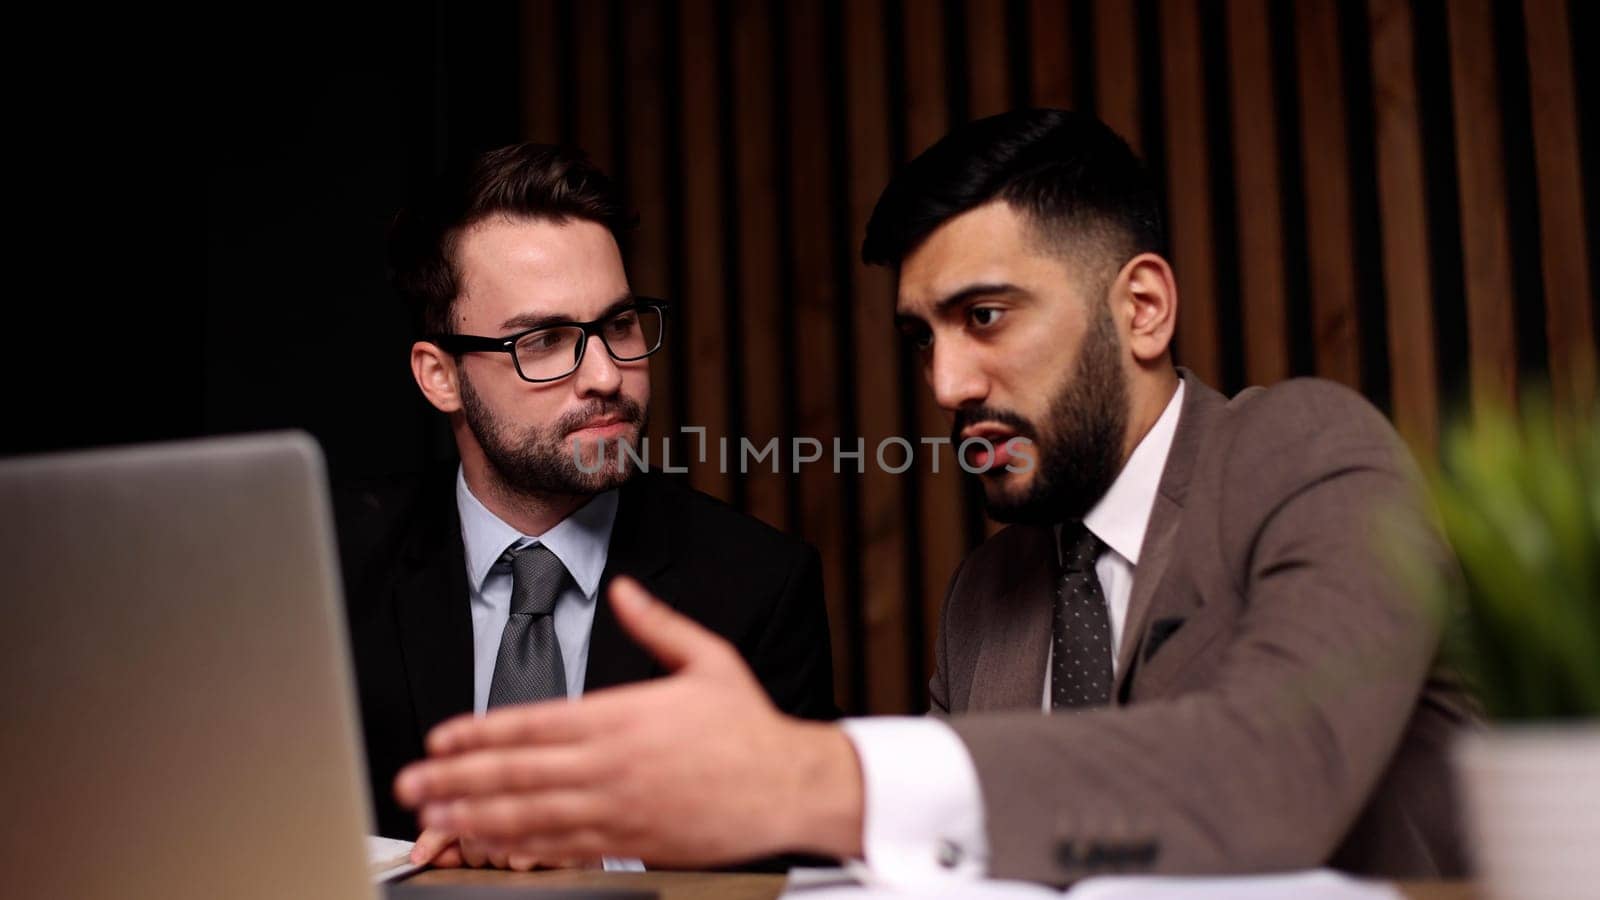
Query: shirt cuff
x,y
923,822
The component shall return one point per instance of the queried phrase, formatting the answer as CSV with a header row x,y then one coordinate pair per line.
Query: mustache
x,y
621,408
968,416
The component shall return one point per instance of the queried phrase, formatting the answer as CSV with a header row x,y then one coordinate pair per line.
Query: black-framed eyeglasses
x,y
554,351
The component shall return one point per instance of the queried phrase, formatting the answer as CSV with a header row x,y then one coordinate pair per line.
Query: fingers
x,y
674,640
479,854
583,848
450,858
522,862
551,722
497,771
473,853
515,819
431,843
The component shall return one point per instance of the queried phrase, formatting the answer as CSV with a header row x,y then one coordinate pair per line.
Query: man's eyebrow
x,y
531,320
945,304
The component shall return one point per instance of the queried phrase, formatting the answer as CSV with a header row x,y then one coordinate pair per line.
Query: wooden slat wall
x,y
1189,208
1258,193
820,372
1485,226
755,135
1408,287
1327,186
941,518
1570,306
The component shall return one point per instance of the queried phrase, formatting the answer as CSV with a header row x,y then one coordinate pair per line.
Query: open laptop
x,y
179,712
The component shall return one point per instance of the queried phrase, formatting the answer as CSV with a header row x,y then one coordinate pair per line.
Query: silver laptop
x,y
179,713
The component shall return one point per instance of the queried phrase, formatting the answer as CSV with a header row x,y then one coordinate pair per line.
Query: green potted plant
x,y
1518,496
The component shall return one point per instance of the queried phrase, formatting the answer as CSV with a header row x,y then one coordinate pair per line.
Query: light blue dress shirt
x,y
580,541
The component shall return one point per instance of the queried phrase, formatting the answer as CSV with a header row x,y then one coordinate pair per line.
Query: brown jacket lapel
x,y
1016,635
1200,407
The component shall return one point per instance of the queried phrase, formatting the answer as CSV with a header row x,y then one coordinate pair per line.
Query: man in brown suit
x,y
1193,589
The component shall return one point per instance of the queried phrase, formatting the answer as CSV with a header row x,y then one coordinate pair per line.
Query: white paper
x,y
388,858
843,884
1315,884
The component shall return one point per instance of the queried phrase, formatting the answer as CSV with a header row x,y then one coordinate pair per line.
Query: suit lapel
x,y
640,548
1200,407
434,612
1010,669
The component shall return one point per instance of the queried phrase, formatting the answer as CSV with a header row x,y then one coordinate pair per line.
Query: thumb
x,y
675,640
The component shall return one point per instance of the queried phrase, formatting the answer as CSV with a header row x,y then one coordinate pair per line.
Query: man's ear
x,y
1151,304
437,376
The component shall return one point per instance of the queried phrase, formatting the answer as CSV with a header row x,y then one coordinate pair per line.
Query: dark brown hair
x,y
1074,177
535,181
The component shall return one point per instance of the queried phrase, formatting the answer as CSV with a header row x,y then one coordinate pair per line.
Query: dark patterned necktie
x,y
529,666
1080,665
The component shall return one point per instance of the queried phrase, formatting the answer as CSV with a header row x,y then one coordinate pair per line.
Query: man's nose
x,y
598,374
955,378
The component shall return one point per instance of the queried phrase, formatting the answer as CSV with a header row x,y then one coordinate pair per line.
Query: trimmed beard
x,y
541,460
1080,447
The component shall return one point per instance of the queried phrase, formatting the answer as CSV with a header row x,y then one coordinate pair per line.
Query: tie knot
x,y
536,577
1079,548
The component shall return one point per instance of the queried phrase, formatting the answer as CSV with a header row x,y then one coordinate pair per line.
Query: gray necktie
x,y
1080,668
528,666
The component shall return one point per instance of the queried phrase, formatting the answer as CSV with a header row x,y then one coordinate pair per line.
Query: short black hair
x,y
534,181
1068,172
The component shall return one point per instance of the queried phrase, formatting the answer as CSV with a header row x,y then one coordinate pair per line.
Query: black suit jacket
x,y
411,624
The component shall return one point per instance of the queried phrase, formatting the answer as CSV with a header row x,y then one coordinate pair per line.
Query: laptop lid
x,y
179,709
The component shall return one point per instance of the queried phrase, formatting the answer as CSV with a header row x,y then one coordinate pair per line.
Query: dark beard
x,y
1079,451
540,461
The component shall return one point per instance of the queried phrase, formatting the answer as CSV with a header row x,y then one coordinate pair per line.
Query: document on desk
x,y
1315,884
388,858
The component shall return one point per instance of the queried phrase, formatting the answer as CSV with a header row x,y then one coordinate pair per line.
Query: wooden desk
x,y
672,885
719,886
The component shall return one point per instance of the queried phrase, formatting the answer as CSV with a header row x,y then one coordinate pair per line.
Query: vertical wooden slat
x,y
988,86
1189,189
877,380
1116,72
816,380
1255,155
1407,284
989,90
1326,171
762,319
1569,292
943,525
1049,35
1485,235
541,72
703,318
593,90
648,264
926,116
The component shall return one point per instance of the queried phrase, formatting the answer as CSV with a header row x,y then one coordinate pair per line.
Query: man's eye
x,y
986,316
919,338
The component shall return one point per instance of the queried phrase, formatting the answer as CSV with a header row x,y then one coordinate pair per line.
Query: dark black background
x,y
312,125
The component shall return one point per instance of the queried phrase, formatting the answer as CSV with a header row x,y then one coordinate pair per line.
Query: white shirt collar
x,y
1123,514
581,541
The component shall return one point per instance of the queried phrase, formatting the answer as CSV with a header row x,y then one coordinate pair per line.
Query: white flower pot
x,y
1531,798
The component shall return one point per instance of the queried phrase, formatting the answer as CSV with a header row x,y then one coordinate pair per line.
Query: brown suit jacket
x,y
1276,706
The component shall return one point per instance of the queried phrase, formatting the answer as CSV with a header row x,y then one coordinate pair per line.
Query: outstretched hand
x,y
696,768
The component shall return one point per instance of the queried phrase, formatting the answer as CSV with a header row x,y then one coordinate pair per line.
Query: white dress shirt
x,y
923,820
581,541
